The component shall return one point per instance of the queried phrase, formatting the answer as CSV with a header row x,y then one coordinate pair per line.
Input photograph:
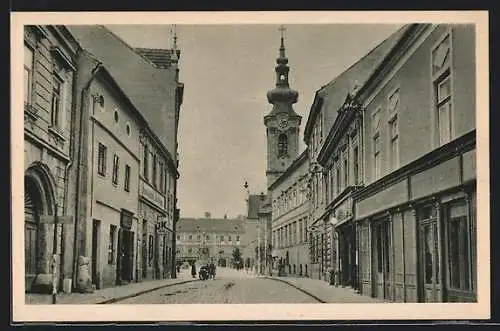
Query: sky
x,y
227,71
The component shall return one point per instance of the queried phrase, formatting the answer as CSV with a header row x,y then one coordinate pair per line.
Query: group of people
x,y
206,271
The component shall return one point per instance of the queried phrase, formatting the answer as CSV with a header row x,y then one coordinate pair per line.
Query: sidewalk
x,y
107,295
325,292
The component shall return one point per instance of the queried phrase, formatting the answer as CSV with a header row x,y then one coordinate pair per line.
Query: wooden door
x,y
430,289
119,257
95,253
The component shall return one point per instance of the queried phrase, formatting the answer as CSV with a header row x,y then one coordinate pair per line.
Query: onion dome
x,y
282,93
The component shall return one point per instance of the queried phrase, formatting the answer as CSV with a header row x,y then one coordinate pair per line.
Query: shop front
x,y
421,245
156,234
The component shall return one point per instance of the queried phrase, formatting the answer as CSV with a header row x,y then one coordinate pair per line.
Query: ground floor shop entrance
x,y
382,264
125,250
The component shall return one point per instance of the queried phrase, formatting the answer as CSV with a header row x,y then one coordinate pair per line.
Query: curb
x,y
296,287
113,300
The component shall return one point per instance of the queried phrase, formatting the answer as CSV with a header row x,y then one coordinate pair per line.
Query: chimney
x,y
207,214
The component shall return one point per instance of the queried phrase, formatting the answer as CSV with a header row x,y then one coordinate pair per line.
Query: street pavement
x,y
225,290
229,286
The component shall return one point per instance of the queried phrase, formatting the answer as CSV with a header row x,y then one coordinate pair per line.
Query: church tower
x,y
282,123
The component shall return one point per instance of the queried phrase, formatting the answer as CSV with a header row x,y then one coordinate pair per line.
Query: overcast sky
x,y
227,71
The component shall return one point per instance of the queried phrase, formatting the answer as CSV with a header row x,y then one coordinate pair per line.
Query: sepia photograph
x,y
251,167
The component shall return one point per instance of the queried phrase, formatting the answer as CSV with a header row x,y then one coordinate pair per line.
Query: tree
x,y
236,257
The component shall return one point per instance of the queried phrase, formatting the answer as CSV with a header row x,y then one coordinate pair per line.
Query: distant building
x,y
209,239
257,225
49,71
289,217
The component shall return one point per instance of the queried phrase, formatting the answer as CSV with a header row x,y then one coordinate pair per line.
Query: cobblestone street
x,y
225,290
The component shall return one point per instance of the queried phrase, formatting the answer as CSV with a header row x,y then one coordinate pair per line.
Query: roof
x,y
148,87
356,74
254,202
160,58
210,225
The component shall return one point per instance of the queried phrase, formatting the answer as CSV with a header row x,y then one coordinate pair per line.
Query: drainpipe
x,y
83,105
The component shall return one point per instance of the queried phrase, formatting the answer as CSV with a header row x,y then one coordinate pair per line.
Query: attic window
x,y
116,116
128,129
101,102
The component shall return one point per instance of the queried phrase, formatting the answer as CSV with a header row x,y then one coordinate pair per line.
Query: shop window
x,y
459,248
112,244
101,159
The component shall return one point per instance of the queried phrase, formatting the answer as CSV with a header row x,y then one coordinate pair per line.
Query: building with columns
x,y
49,70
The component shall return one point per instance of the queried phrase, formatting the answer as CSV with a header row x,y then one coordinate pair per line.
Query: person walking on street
x,y
193,270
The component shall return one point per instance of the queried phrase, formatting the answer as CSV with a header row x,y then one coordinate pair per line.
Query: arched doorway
x,y
38,200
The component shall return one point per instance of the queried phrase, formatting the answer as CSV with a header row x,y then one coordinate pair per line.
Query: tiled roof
x,y
337,90
210,225
254,202
161,58
150,89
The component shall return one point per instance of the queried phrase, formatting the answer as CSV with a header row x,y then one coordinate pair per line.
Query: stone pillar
x,y
43,280
67,255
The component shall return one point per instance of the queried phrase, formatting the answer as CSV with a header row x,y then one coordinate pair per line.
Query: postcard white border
x,y
197,312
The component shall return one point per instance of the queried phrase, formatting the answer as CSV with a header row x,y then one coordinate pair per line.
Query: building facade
x,y
416,215
209,239
289,218
334,137
49,69
125,196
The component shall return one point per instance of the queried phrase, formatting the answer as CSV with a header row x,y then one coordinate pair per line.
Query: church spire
x,y
282,93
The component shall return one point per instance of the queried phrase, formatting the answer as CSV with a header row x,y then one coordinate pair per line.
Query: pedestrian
x,y
193,270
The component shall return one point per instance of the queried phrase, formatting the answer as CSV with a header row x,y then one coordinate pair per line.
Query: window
x,y
229,238
221,238
154,171
28,74
207,237
145,162
101,160
198,237
190,250
237,238
441,73
444,110
190,237
127,178
355,160
111,245
282,145
178,237
338,179
376,156
115,115
55,116
116,165
301,233
346,172
394,132
459,248
162,177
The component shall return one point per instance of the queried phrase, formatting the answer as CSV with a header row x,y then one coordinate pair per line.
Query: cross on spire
x,y
282,29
